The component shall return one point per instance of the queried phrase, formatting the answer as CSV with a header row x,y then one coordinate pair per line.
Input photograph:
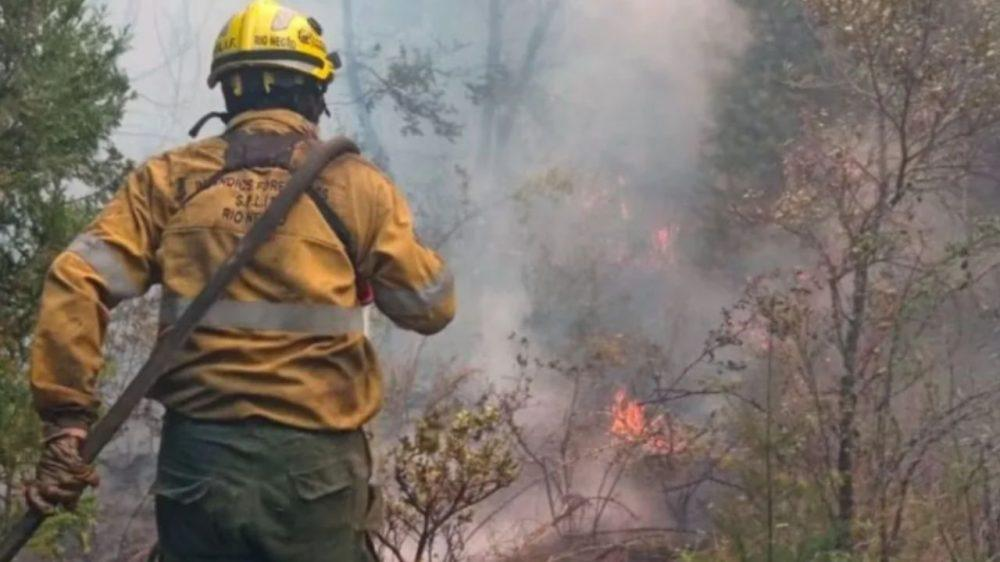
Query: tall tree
x,y
757,113
522,82
504,91
62,94
494,74
877,388
352,71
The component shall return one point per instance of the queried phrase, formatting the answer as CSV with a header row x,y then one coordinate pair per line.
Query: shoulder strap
x,y
337,225
366,295
249,150
245,150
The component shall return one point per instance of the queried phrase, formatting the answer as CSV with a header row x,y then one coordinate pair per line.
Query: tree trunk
x,y
524,77
369,140
494,48
845,464
847,408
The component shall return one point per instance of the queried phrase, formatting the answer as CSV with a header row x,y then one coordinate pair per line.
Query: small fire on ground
x,y
657,436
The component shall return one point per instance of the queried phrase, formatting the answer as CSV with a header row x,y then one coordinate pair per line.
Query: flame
x,y
656,436
628,418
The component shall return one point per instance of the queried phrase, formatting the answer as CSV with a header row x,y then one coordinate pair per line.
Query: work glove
x,y
61,475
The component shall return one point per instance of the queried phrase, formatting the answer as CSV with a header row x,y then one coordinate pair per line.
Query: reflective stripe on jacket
x,y
286,342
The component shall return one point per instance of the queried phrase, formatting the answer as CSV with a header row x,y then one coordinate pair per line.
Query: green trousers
x,y
261,492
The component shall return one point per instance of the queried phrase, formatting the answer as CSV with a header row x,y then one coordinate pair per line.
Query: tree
x,y
410,80
927,96
869,390
757,113
503,91
62,93
352,71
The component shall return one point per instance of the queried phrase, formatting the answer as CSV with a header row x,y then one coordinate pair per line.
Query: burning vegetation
x,y
631,425
718,303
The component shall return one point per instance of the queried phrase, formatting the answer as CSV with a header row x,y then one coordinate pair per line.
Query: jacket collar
x,y
280,121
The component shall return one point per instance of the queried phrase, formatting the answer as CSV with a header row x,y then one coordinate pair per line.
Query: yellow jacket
x,y
286,342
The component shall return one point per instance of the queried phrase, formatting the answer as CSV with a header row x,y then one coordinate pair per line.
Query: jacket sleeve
x,y
413,286
110,261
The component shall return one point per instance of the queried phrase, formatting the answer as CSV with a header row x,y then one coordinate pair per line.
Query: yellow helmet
x,y
268,35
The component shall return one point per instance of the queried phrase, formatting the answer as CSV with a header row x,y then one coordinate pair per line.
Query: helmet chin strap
x,y
314,105
224,116
257,92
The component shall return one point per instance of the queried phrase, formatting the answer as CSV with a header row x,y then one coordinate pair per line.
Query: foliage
x,y
844,407
591,448
18,440
68,77
860,394
410,81
456,459
61,95
757,105
757,114
65,535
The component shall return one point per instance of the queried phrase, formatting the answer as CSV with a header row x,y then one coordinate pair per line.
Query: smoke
x,y
619,107
590,184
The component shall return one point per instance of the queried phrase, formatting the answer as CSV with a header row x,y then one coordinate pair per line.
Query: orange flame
x,y
628,418
656,436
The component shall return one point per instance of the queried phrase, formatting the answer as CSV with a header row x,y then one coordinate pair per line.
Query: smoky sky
x,y
621,94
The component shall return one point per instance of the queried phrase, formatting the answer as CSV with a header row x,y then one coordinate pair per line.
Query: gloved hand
x,y
61,475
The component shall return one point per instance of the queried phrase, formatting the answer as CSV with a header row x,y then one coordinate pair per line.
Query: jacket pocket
x,y
325,501
322,481
180,487
193,513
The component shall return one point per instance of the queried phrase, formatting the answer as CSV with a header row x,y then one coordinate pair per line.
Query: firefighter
x,y
262,455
